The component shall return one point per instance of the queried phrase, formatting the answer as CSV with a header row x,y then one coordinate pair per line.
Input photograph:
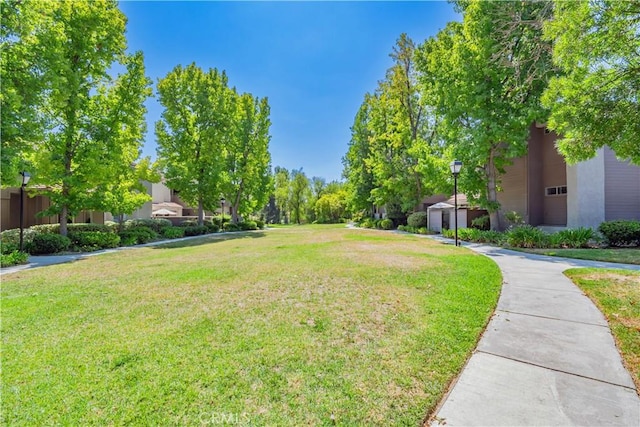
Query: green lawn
x,y
297,326
621,255
617,295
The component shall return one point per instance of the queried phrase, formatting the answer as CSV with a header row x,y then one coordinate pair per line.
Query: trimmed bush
x,y
195,230
417,219
386,224
367,223
189,223
10,240
260,224
231,227
47,228
526,236
212,227
154,224
621,232
82,227
247,225
137,236
46,243
172,232
88,241
13,258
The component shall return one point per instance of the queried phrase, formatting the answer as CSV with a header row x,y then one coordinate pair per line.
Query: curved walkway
x,y
547,356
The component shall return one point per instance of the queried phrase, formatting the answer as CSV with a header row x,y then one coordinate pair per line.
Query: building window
x,y
556,191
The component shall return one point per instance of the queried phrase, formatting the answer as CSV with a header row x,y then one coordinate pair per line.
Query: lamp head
x,y
455,167
24,178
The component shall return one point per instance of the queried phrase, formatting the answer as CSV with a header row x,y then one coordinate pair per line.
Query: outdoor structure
x,y
440,215
546,191
10,210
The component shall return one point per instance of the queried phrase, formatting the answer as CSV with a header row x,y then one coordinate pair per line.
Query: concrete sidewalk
x,y
547,356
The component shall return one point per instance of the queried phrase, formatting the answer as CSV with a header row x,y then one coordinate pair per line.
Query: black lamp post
x,y
455,166
24,180
222,213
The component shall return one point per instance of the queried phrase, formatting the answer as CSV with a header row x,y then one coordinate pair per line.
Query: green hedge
x,y
88,241
137,236
46,243
417,219
621,232
195,230
13,258
172,232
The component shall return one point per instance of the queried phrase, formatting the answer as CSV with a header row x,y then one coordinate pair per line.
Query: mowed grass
x,y
620,255
306,325
617,295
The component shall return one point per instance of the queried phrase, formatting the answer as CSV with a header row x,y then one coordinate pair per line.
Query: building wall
x,y
535,185
586,192
621,188
513,196
554,174
33,205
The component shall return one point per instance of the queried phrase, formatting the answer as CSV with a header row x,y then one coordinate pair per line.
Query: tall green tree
x,y
92,123
195,127
248,161
300,193
282,192
357,166
21,121
596,101
491,71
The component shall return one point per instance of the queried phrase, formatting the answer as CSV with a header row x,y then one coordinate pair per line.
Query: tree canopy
x,y
596,100
87,127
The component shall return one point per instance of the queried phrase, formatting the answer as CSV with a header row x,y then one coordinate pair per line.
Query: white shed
x,y
440,216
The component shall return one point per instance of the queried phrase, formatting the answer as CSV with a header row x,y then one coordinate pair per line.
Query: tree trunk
x,y
64,215
200,212
495,216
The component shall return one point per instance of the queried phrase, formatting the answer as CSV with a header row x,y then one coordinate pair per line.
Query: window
x,y
556,191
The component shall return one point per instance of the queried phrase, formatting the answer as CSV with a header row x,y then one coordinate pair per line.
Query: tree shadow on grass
x,y
208,239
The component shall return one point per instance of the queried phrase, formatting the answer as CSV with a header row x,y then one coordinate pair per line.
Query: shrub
x,y
195,230
10,240
212,227
367,223
82,227
189,223
13,258
621,232
481,222
417,219
231,227
424,230
526,236
490,236
88,241
46,228
448,233
572,238
49,244
468,234
154,224
137,236
514,218
247,225
172,232
386,224
260,224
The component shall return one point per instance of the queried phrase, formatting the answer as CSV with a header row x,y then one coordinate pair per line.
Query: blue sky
x,y
313,60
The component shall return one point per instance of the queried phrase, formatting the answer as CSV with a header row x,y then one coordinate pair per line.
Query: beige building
x,y
547,192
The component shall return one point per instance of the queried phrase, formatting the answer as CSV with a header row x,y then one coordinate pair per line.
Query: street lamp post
x,y
222,213
455,166
24,180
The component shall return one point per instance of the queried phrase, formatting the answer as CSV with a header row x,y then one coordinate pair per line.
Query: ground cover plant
x,y
304,325
620,255
617,295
